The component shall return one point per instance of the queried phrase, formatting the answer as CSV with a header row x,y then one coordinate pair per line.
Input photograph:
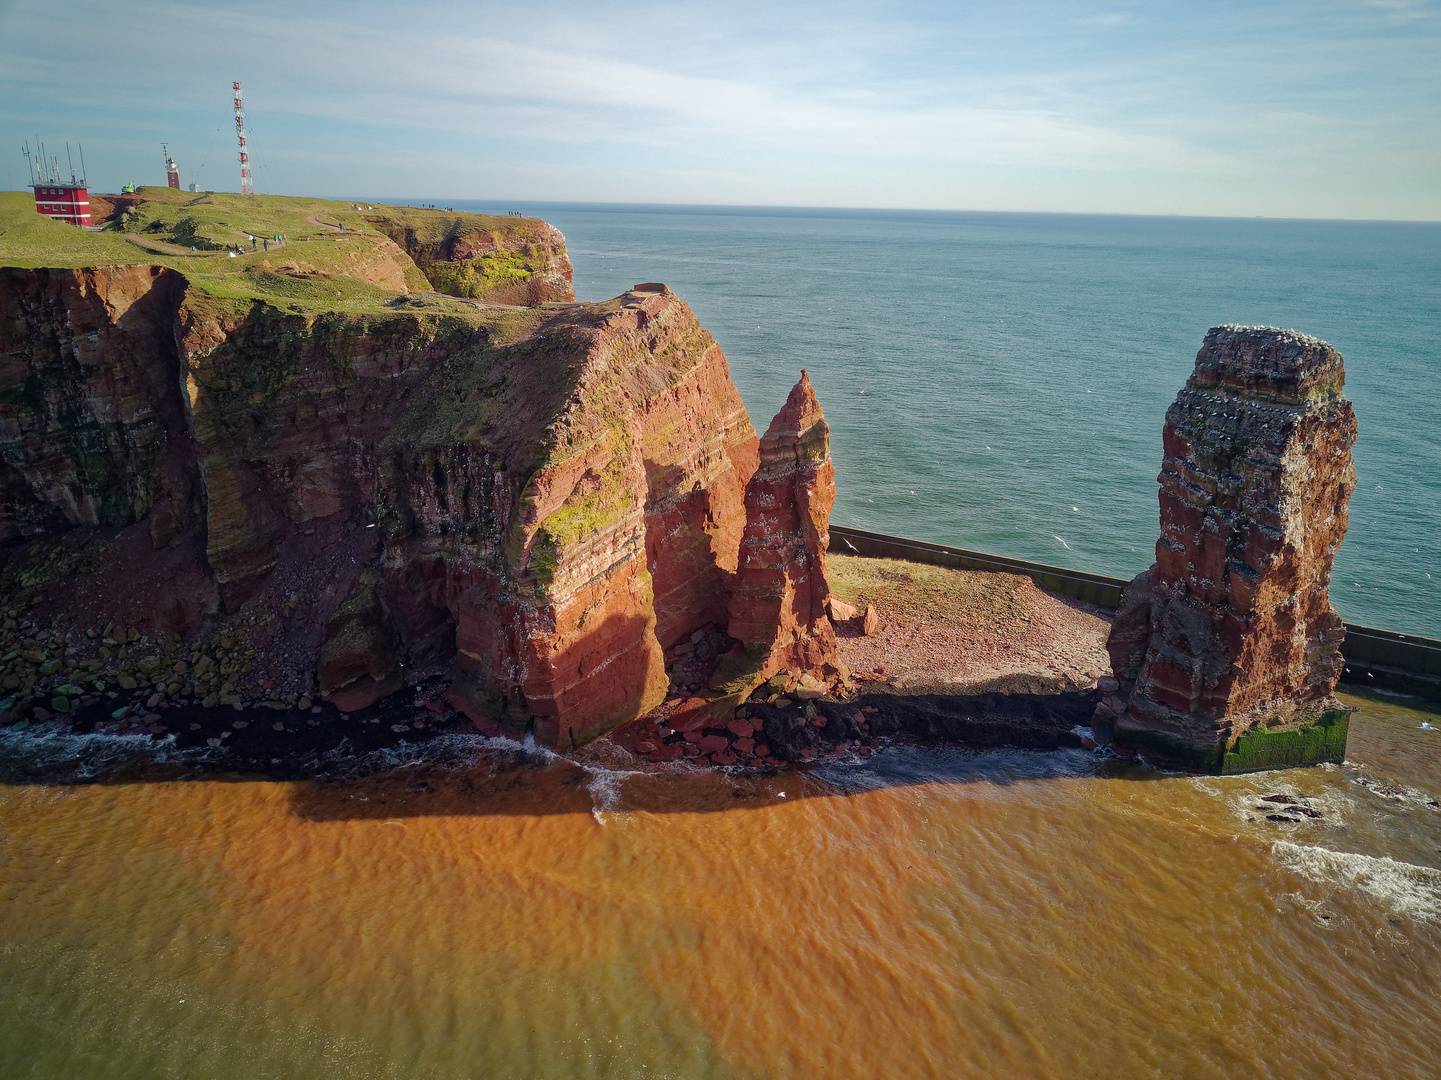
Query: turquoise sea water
x,y
999,381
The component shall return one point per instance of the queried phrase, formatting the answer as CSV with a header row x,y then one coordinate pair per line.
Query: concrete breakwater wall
x,y
1377,658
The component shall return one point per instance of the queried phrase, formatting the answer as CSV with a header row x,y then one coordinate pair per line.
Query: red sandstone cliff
x,y
1232,631
629,531
779,609
505,259
539,501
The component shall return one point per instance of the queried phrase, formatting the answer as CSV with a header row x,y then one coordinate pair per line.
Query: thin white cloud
x,y
826,105
1404,11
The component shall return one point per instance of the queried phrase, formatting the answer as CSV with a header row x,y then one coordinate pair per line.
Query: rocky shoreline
x,y
186,734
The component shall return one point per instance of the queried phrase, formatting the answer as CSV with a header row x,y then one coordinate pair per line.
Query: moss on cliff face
x,y
464,472
599,501
483,275
511,260
1324,739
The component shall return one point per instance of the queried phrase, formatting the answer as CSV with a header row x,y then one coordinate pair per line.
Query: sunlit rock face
x,y
1226,650
779,609
624,541
528,503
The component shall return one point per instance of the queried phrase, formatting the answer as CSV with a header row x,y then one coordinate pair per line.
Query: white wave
x,y
86,755
1405,888
604,789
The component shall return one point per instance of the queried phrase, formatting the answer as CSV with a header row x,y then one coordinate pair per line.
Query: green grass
x,y
316,270
29,239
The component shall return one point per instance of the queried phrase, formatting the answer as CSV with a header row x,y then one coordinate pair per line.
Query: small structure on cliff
x,y
1227,650
56,197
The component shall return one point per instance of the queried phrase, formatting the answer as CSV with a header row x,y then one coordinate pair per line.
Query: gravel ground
x,y
966,631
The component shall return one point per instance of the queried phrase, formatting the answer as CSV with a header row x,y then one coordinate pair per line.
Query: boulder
x,y
1226,651
711,744
871,624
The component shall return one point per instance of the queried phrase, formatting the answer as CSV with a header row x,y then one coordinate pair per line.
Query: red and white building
x,y
67,201
63,202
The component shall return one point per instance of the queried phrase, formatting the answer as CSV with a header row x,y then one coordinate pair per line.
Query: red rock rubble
x,y
1231,630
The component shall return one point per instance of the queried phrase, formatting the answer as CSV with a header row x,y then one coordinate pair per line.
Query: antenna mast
x,y
247,187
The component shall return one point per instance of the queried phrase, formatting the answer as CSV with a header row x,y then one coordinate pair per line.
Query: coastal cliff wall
x,y
529,504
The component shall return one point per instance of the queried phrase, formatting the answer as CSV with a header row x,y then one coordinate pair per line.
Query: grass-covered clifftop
x,y
320,267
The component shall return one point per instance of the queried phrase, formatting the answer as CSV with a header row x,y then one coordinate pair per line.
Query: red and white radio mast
x,y
247,186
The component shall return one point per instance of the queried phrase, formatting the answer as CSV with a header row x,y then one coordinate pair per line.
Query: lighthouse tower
x,y
172,171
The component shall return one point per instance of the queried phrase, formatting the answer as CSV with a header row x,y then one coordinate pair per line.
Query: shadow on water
x,y
353,770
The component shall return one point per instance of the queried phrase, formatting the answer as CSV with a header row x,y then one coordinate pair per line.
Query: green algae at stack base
x,y
1321,740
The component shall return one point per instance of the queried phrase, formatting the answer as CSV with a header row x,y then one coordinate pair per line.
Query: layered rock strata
x,y
536,501
1226,651
778,612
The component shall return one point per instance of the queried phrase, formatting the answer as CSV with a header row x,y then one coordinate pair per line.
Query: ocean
x,y
472,908
999,381
920,914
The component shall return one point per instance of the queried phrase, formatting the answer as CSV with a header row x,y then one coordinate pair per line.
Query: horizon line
x,y
790,208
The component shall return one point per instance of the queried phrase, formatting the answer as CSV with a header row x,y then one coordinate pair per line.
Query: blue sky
x,y
1328,108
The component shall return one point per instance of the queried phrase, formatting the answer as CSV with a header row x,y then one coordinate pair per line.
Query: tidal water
x,y
474,909
923,913
999,381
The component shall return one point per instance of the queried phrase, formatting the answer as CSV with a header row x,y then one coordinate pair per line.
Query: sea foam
x,y
1405,888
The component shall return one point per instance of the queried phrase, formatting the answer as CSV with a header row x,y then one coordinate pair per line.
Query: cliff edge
x,y
224,499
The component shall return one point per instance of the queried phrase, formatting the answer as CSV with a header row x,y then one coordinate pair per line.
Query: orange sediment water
x,y
926,913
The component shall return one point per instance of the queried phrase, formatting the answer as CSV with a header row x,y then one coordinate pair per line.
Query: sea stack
x,y
778,611
1226,651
